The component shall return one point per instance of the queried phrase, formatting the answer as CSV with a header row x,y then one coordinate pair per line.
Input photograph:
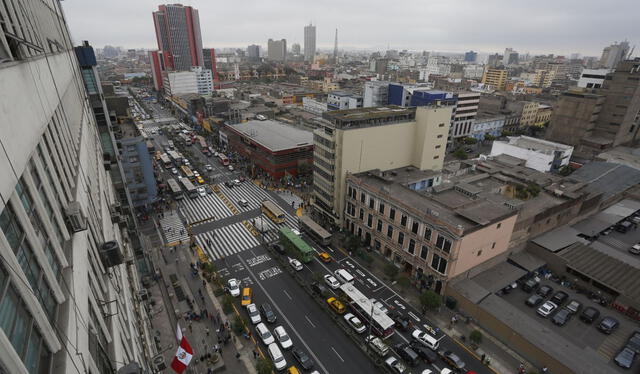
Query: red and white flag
x,y
179,333
183,356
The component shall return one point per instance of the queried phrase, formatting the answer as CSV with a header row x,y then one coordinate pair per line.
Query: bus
x,y
176,192
185,139
271,210
295,245
150,147
362,306
166,162
315,231
170,142
190,189
175,156
224,160
187,172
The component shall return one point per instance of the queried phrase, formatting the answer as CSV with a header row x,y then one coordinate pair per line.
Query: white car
x,y
547,308
236,182
196,174
186,162
295,232
635,249
202,191
230,167
254,314
233,285
174,171
208,167
331,281
215,154
277,357
380,306
283,338
264,333
295,264
395,365
355,322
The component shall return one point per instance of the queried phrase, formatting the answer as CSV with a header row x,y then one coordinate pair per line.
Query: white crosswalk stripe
x,y
226,241
204,207
148,129
616,243
247,191
173,229
272,232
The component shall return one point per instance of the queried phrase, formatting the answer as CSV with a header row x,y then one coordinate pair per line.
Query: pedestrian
x,y
255,354
238,356
206,330
190,327
483,357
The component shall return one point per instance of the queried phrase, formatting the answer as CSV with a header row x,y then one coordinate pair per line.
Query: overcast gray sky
x,y
540,26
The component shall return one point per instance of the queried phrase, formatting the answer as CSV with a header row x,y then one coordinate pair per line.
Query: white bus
x,y
176,191
190,189
315,231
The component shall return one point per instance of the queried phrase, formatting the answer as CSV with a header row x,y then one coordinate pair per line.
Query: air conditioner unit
x,y
75,219
111,254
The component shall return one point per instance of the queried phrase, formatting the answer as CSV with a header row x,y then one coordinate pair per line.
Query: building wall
x,y
487,126
182,82
495,77
313,106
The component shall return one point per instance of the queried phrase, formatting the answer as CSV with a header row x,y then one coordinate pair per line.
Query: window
x,y
349,191
379,228
361,213
436,157
412,246
370,220
392,214
362,197
389,231
438,146
479,253
424,252
377,244
400,238
414,227
439,136
441,125
427,233
499,224
371,202
403,221
493,245
439,264
443,243
381,208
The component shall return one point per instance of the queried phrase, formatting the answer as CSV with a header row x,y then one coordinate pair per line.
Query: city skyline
x,y
568,29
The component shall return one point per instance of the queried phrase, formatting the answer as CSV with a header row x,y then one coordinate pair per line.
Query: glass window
x,y
20,330
424,252
443,244
412,246
11,228
371,202
392,214
361,213
24,196
33,352
439,264
390,231
403,220
362,197
427,233
381,208
414,227
379,228
8,311
370,220
400,238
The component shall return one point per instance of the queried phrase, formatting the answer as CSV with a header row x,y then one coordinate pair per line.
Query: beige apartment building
x,y
529,113
495,77
355,140
432,236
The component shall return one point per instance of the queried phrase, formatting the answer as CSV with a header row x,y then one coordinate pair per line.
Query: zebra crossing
x,y
271,233
616,243
245,191
226,241
203,208
147,130
173,229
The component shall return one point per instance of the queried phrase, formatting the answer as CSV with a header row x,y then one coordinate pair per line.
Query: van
x,y
276,356
377,345
624,226
407,354
343,276
246,296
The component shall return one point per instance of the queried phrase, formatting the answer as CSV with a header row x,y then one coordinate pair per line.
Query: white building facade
x,y
314,106
541,155
593,78
196,81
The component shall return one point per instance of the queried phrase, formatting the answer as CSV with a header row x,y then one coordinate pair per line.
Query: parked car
x,y
559,297
427,355
562,317
254,314
574,306
634,342
233,287
547,308
625,358
303,358
283,338
534,300
608,324
264,334
531,284
267,312
589,314
635,249
544,291
355,323
452,360
395,365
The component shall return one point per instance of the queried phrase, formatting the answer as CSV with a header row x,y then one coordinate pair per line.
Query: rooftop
x,y
606,177
366,117
538,145
273,135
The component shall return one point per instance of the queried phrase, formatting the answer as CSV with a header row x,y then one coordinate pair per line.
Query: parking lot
x,y
582,335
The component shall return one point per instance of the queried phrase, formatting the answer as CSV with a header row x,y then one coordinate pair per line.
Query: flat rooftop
x,y
538,145
366,117
274,135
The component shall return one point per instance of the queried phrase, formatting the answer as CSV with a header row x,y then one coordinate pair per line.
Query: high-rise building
x,y
470,56
309,42
295,48
355,140
376,93
277,50
613,54
209,62
494,60
178,35
196,81
497,78
510,57
156,60
253,52
68,273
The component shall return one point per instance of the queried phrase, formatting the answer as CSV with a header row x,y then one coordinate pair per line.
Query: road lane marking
x,y
336,352
413,316
311,323
360,273
285,292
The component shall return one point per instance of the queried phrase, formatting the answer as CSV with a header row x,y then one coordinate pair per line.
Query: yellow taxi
x,y
336,305
324,257
246,296
293,370
200,180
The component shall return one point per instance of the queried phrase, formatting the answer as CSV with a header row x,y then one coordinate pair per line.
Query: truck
x,y
377,345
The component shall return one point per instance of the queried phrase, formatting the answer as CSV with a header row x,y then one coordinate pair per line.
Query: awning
x,y
499,276
527,260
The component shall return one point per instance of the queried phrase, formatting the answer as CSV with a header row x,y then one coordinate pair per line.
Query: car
x,y
267,312
331,281
625,358
229,184
254,314
208,167
608,324
233,286
243,203
634,342
295,264
303,358
395,365
174,171
559,297
195,173
635,249
246,296
530,285
230,167
534,300
202,191
407,354
355,323
264,334
574,306
562,317
324,257
236,182
215,154
452,360
186,162
589,314
380,306
547,308
279,362
336,305
544,291
279,248
283,339
425,339
427,355
402,323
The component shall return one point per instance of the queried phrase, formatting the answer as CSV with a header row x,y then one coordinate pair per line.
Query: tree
x,y
390,270
430,300
489,138
263,366
469,140
475,337
460,154
352,243
227,304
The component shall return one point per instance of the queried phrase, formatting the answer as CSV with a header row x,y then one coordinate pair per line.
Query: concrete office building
x,y
178,36
253,53
510,57
309,43
496,78
541,155
314,106
470,56
464,114
376,93
277,50
196,81
373,138
593,78
68,279
432,237
339,100
209,62
613,54
574,117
